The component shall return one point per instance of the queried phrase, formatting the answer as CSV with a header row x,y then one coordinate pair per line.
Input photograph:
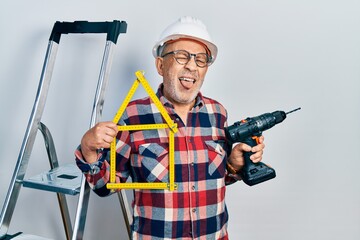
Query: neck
x,y
183,109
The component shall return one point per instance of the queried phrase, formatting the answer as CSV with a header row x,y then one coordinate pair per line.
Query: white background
x,y
273,55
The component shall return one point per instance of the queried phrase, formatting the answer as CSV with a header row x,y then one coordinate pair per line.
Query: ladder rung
x,y
64,179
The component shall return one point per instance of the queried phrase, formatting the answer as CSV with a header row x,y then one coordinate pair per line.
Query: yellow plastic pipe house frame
x,y
169,124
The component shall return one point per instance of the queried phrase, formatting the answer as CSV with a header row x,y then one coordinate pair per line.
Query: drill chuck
x,y
279,116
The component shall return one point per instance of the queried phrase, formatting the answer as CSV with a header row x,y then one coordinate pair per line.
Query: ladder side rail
x,y
83,201
53,160
80,218
29,139
102,83
124,204
81,210
49,145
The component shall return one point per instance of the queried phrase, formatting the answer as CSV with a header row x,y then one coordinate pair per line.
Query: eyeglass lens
x,y
183,57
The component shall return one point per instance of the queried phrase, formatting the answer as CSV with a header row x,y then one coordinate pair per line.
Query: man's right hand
x,y
99,136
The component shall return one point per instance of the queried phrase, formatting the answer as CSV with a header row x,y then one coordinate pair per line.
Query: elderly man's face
x,y
181,82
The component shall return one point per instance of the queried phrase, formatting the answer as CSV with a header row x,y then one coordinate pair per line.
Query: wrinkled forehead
x,y
189,45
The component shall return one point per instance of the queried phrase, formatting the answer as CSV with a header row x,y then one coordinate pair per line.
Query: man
x,y
196,209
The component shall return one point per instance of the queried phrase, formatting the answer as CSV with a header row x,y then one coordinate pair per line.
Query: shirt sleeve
x,y
96,174
85,167
229,177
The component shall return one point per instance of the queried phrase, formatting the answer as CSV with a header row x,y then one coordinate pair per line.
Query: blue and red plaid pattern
x,y
196,209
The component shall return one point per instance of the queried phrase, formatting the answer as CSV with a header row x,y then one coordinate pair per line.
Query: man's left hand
x,y
236,158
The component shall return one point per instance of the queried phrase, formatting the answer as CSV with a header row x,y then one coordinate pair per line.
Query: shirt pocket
x,y
216,156
154,162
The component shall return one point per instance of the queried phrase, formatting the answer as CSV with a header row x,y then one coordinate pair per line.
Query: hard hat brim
x,y
212,47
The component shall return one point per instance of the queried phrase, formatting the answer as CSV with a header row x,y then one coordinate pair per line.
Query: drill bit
x,y
293,110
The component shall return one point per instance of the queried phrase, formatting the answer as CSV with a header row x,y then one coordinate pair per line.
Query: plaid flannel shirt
x,y
196,209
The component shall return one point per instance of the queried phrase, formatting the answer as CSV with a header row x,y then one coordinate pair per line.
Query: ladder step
x,y
21,236
64,179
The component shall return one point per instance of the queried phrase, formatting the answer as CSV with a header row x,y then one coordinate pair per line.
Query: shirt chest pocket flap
x,y
216,155
154,159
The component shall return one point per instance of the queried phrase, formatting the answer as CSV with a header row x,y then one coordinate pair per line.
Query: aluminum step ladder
x,y
65,179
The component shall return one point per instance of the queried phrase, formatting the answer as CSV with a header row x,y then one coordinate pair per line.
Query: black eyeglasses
x,y
183,57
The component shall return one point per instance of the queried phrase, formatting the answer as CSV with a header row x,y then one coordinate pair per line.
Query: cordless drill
x,y
248,131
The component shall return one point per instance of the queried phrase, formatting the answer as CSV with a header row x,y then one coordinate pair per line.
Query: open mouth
x,y
187,82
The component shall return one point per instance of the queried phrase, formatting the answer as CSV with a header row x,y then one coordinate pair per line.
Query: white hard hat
x,y
186,27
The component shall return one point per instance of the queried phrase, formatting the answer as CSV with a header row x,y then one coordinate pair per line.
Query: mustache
x,y
189,74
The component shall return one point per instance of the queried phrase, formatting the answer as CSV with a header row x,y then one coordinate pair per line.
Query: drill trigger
x,y
256,138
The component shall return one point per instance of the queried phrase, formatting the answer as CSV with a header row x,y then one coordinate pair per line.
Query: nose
x,y
191,64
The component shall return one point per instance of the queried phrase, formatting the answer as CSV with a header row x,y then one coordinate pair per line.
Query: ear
x,y
159,65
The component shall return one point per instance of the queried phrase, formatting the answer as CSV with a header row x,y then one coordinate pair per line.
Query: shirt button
x,y
194,210
193,187
192,164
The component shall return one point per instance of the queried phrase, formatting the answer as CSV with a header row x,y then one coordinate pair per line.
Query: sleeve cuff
x,y
85,167
236,176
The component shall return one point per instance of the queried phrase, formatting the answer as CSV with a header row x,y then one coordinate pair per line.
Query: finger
x,y
256,157
111,132
258,147
109,124
106,145
108,139
98,130
242,147
104,128
113,126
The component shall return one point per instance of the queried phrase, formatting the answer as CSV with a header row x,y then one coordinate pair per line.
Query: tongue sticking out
x,y
187,82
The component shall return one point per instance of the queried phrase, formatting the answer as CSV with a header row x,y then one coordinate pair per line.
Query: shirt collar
x,y
199,101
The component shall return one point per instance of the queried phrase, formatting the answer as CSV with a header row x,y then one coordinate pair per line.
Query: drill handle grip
x,y
252,142
254,173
